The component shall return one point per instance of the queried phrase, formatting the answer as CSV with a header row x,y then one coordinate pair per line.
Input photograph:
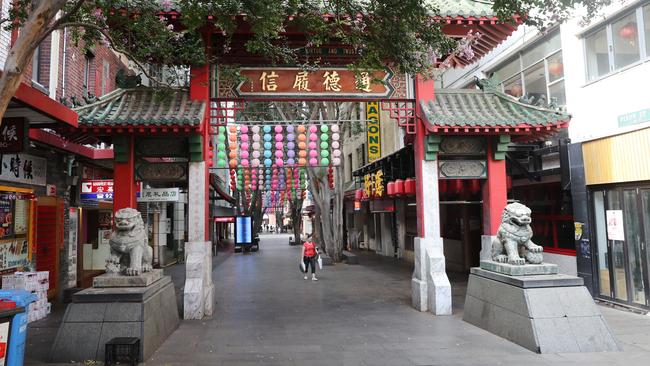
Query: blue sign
x,y
634,118
243,230
105,196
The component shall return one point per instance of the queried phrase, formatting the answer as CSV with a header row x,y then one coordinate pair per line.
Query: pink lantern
x,y
313,129
278,129
244,154
313,154
279,137
313,137
312,145
313,161
243,129
279,162
279,146
244,145
244,162
279,153
243,138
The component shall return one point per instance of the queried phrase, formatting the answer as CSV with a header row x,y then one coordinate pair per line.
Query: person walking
x,y
308,254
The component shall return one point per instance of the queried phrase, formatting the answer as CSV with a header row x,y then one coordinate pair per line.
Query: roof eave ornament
x,y
489,84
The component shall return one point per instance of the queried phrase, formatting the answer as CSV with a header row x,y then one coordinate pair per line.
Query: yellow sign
x,y
373,131
373,184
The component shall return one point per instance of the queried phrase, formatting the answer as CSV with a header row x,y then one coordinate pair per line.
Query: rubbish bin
x,y
18,337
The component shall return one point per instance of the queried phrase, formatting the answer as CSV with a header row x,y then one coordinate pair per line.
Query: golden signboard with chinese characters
x,y
328,82
373,184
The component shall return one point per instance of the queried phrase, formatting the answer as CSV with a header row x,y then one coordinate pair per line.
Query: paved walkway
x,y
266,314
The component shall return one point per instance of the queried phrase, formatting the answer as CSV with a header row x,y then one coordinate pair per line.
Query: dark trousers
x,y
310,261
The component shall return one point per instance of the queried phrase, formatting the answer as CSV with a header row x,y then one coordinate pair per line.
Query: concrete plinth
x,y
118,280
543,313
430,287
520,270
97,315
198,295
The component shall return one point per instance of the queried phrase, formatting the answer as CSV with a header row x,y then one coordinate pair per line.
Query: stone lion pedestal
x,y
131,300
517,296
141,306
536,308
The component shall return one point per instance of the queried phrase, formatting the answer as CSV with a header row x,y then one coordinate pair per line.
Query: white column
x,y
431,289
198,294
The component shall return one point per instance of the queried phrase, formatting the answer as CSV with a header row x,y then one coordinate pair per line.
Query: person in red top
x,y
308,255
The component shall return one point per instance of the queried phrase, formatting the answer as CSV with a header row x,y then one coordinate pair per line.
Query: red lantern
x,y
390,188
515,90
399,187
358,194
555,68
508,182
475,186
456,186
442,186
409,186
628,31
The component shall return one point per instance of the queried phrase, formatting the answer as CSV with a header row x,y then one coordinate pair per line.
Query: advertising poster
x,y
13,253
243,225
6,219
615,229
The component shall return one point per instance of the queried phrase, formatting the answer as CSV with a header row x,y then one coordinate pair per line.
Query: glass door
x,y
622,226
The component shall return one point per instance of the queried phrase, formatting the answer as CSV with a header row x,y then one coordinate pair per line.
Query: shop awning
x,y
477,111
142,107
39,109
214,183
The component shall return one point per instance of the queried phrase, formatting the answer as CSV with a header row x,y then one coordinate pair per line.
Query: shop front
x,y
617,173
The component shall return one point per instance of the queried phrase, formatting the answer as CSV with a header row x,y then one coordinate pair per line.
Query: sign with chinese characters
x,y
329,82
23,168
615,225
100,189
14,253
73,241
159,195
373,131
373,184
13,135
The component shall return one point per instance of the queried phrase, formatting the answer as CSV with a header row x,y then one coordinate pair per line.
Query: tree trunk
x,y
296,219
20,55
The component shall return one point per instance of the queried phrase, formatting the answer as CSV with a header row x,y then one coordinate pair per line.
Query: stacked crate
x,y
35,282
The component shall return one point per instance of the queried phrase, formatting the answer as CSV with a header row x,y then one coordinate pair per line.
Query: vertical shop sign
x,y
73,235
373,131
615,225
23,168
13,135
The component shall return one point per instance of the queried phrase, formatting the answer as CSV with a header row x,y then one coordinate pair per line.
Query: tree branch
x,y
104,32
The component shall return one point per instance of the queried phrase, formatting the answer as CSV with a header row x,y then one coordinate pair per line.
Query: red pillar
x,y
200,90
495,191
424,91
124,186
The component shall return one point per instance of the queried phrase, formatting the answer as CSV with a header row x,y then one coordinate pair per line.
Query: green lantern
x,y
222,129
324,145
324,153
324,128
325,161
324,137
222,138
221,146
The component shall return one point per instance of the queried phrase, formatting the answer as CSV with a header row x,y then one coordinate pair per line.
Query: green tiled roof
x,y
142,106
464,8
477,108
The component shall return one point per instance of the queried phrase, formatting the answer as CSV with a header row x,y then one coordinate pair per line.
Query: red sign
x,y
97,186
13,135
224,219
331,82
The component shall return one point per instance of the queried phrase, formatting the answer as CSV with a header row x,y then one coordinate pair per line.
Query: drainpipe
x,y
65,56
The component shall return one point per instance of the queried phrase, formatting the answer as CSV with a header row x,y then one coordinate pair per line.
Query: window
x,y
36,65
87,66
618,44
537,72
105,77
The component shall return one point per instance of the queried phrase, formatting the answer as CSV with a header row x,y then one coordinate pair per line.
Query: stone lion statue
x,y
130,250
512,244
